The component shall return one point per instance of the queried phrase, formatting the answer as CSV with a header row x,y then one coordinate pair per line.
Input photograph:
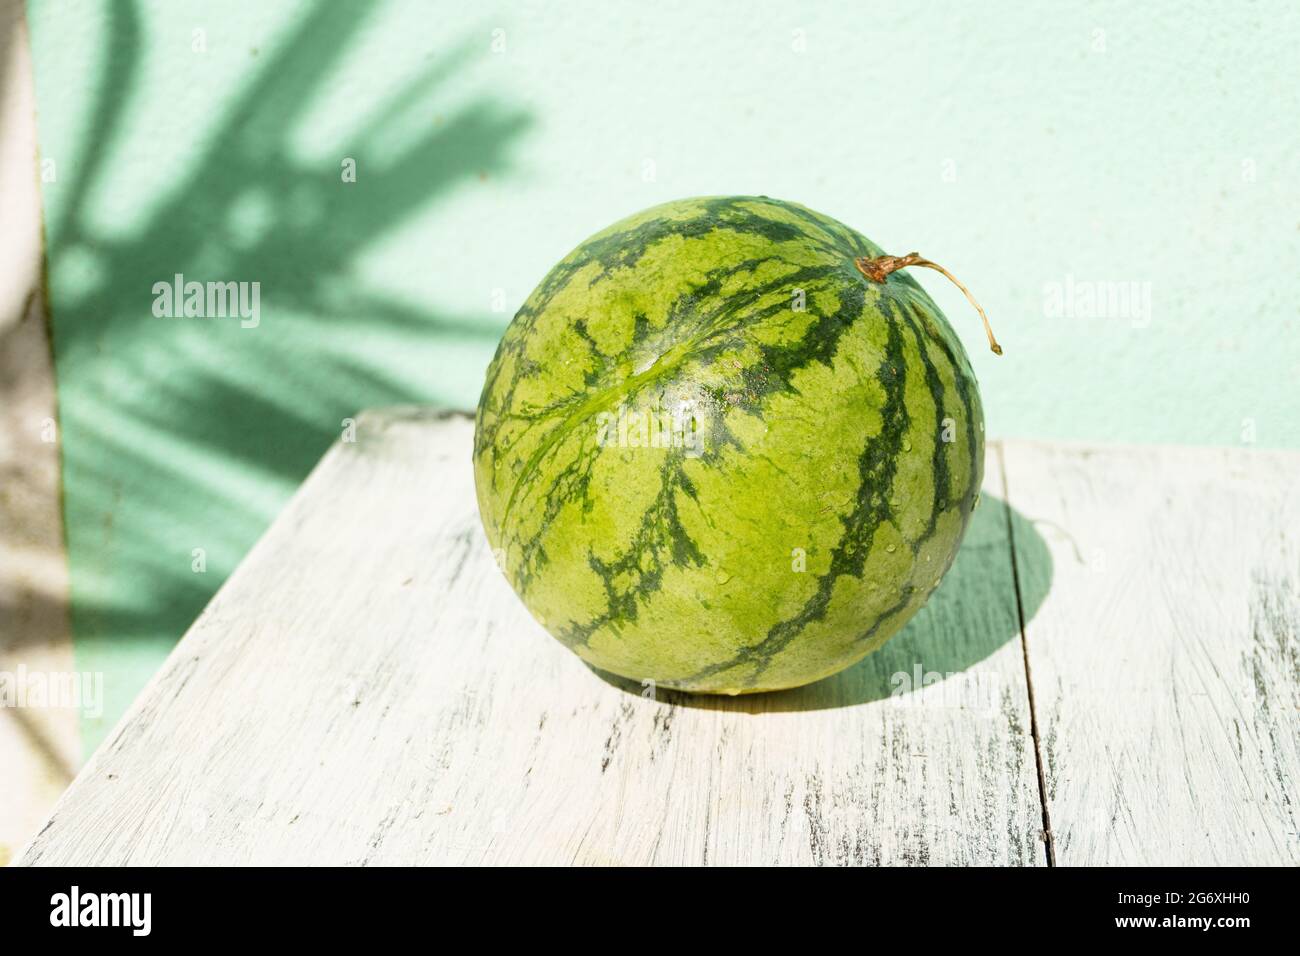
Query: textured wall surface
x,y
1119,185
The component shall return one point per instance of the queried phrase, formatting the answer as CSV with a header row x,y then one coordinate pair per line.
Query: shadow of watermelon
x,y
973,613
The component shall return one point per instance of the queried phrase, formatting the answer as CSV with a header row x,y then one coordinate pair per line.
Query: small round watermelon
x,y
726,446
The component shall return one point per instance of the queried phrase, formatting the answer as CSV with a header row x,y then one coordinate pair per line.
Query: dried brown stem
x,y
880,268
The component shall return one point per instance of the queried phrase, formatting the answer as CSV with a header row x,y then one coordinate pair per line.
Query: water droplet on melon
x,y
891,548
722,577
907,445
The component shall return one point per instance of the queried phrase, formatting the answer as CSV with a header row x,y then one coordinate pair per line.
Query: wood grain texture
x,y
366,689
1165,662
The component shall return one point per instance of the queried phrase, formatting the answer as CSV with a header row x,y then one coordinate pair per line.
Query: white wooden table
x,y
1116,651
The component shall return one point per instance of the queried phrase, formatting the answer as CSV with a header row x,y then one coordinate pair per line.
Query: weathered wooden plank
x,y
366,689
1165,661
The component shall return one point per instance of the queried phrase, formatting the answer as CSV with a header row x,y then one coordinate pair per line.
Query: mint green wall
x,y
1154,144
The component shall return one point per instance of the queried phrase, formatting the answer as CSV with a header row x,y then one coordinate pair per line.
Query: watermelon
x,y
726,446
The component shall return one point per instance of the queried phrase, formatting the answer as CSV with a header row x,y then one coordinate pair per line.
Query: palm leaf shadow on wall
x,y
184,434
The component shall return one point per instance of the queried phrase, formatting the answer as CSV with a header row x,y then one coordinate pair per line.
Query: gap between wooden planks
x,y
366,689
1166,659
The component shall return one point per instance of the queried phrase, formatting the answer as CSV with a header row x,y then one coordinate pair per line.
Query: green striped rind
x,y
850,433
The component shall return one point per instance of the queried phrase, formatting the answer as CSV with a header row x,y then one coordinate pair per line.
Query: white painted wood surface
x,y
1166,663
367,689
